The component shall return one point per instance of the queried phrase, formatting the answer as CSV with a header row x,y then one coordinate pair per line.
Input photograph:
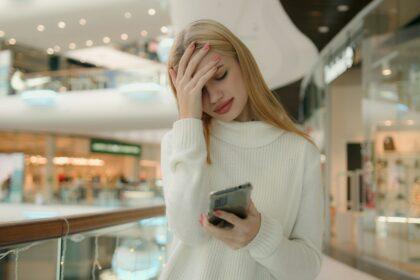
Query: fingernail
x,y
192,45
206,46
216,58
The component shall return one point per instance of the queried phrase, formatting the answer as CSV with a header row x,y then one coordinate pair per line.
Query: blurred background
x,y
85,101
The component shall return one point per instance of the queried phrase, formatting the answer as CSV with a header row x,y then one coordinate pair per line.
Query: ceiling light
x,y
12,41
143,33
152,12
50,51
127,15
82,21
388,123
342,8
106,40
61,24
40,28
164,29
2,33
386,72
410,122
323,29
72,46
57,48
124,36
89,43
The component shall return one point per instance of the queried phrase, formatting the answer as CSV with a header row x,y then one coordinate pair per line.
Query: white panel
x,y
282,52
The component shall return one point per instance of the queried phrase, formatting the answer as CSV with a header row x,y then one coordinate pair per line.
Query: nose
x,y
215,94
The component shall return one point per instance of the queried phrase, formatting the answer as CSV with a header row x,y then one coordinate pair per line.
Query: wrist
x,y
189,116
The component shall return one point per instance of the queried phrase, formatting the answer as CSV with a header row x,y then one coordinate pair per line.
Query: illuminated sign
x,y
114,147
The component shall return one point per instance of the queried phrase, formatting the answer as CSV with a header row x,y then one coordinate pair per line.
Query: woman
x,y
251,139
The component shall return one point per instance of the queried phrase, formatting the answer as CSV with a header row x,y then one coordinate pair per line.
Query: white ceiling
x,y
20,18
283,53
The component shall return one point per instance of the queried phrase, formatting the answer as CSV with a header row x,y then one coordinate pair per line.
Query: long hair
x,y
263,104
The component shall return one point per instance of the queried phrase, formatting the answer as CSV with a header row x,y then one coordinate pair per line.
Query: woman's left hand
x,y
243,230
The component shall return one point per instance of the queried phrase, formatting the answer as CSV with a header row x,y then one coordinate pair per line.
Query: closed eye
x,y
222,77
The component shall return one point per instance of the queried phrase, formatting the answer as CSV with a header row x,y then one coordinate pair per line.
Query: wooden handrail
x,y
13,233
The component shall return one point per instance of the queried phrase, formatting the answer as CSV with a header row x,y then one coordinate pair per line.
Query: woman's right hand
x,y
188,86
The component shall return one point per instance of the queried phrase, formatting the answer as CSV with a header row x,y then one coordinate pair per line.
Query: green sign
x,y
114,147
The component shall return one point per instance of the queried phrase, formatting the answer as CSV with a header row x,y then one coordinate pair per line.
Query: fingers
x,y
204,78
204,70
231,218
172,75
220,233
192,64
185,58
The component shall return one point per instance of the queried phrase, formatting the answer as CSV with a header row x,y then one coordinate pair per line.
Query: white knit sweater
x,y
284,169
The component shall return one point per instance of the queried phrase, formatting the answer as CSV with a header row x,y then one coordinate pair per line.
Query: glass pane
x,y
39,257
129,251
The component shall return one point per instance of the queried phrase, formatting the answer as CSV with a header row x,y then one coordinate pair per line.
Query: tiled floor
x,y
332,269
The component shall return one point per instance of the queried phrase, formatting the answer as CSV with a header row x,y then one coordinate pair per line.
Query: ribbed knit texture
x,y
284,170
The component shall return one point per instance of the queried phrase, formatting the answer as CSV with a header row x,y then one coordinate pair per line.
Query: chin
x,y
228,117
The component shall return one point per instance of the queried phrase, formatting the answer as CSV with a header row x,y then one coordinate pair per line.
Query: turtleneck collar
x,y
245,134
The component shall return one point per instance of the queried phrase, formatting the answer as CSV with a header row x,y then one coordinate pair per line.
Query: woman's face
x,y
226,84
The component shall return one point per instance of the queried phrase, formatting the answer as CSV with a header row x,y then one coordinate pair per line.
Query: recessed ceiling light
x,y
2,33
12,41
57,48
386,72
127,15
89,43
323,29
61,24
164,29
40,28
143,33
50,51
124,36
106,40
82,21
152,12
72,46
342,8
388,123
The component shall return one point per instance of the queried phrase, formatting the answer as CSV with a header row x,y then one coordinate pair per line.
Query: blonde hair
x,y
263,104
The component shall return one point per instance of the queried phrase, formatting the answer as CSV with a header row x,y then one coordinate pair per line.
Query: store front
x,y
41,168
361,104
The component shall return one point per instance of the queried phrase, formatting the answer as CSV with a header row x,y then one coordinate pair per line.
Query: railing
x,y
121,244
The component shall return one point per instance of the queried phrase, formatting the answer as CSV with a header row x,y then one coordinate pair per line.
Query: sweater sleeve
x,y
183,160
298,256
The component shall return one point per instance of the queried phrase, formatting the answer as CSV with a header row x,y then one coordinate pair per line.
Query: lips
x,y
221,106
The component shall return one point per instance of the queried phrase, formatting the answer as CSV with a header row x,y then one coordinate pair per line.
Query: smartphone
x,y
233,199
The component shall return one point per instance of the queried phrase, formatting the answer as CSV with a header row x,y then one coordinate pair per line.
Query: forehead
x,y
226,60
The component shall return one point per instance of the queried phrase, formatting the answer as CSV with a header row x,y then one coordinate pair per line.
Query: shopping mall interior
x,y
85,101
